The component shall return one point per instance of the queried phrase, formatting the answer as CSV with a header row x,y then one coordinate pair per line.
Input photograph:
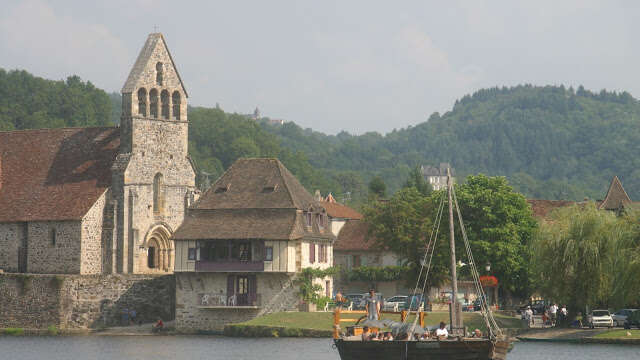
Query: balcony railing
x,y
238,301
237,265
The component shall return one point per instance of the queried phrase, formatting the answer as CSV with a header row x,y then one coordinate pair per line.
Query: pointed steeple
x,y
616,197
145,70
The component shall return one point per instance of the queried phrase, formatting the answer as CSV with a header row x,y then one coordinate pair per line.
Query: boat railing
x,y
337,318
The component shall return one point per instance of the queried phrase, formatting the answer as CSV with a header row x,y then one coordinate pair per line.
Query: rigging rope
x,y
487,315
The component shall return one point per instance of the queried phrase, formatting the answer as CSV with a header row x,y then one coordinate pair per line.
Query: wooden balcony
x,y
228,266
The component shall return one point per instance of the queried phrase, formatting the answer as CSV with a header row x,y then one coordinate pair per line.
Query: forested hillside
x,y
550,142
29,102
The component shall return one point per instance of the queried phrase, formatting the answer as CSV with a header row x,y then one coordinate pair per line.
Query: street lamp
x,y
488,267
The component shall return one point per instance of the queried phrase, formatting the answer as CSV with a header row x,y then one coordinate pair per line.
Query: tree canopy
x,y
498,222
585,257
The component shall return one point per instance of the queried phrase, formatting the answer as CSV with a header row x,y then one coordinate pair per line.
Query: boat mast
x,y
456,318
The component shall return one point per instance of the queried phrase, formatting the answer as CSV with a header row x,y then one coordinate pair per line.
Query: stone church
x,y
102,200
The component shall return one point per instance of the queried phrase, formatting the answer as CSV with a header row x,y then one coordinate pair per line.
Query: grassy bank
x,y
619,334
320,324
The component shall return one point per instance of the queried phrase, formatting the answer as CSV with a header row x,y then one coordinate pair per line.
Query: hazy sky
x,y
333,65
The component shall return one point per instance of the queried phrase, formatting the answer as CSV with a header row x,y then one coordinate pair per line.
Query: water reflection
x,y
206,347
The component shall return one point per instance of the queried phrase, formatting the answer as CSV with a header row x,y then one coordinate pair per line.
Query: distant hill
x,y
30,102
551,142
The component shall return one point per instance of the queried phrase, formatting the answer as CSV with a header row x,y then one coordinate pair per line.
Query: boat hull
x,y
472,349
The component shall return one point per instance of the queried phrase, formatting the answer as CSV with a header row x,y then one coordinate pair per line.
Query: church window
x,y
52,235
176,105
151,257
158,194
142,102
164,98
159,74
153,103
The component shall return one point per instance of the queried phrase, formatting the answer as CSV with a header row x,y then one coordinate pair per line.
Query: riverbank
x,y
320,324
583,336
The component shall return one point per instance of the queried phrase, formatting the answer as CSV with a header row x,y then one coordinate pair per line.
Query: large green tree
x,y
499,224
587,258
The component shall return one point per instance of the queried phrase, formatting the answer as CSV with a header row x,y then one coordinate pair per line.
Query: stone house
x,y
436,176
105,199
243,242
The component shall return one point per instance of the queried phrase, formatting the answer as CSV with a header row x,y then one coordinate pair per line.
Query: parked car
x,y
620,316
357,300
599,318
414,302
633,320
395,303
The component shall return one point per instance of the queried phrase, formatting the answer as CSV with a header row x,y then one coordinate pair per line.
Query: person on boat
x,y
372,306
366,334
388,336
442,332
426,335
477,333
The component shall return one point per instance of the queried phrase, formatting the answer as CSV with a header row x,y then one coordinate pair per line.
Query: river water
x,y
211,347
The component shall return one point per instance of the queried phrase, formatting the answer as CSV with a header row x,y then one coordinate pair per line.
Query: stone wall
x,y
83,301
91,240
276,292
11,235
45,256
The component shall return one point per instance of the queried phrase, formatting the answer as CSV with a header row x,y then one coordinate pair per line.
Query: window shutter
x,y
312,253
231,282
253,290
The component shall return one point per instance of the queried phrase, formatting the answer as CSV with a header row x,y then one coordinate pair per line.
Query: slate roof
x,y
616,197
130,86
256,184
253,199
54,174
354,237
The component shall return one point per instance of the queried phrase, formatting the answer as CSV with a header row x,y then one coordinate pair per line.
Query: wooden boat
x,y
456,349
494,346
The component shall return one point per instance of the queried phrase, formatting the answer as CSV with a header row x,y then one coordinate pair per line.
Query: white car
x,y
600,318
620,316
395,303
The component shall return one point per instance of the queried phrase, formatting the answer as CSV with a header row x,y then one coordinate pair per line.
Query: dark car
x,y
537,306
633,320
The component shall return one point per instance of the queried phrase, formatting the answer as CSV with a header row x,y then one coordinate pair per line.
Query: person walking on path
x,y
528,315
372,306
553,311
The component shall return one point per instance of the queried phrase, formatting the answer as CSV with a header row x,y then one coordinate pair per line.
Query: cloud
x,y
50,43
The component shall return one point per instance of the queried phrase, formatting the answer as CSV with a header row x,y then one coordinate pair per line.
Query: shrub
x,y
13,331
52,330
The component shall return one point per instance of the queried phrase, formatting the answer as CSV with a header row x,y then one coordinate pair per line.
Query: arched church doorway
x,y
159,250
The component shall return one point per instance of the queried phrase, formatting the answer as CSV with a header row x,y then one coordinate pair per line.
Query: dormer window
x,y
320,220
269,189
308,218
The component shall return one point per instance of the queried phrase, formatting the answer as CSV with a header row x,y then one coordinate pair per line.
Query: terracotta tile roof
x,y
54,174
542,208
253,199
337,210
256,184
354,237
616,197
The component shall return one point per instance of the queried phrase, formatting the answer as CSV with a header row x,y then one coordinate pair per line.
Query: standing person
x,y
528,314
553,311
339,299
564,313
372,306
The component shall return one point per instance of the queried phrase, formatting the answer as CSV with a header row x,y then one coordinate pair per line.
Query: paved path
x,y
560,334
